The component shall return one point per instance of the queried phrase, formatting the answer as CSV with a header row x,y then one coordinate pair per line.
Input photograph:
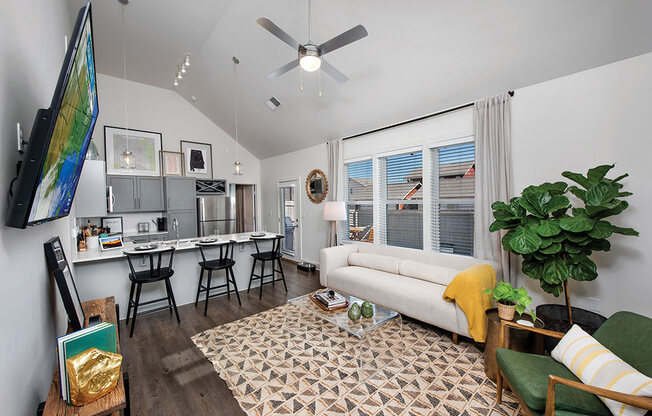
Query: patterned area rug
x,y
312,369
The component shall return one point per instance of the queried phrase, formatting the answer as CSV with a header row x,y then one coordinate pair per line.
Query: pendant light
x,y
237,165
127,158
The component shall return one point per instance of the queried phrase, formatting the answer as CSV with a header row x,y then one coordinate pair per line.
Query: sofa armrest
x,y
333,257
631,399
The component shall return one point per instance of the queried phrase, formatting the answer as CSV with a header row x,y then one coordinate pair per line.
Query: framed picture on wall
x,y
198,159
132,152
171,163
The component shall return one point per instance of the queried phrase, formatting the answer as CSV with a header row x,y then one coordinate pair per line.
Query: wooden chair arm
x,y
631,399
547,332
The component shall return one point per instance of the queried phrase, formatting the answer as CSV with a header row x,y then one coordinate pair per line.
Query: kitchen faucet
x,y
175,227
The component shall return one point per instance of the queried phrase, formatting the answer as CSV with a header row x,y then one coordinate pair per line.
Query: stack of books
x,y
100,336
330,299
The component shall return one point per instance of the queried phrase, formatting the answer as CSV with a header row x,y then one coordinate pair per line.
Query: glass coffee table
x,y
377,338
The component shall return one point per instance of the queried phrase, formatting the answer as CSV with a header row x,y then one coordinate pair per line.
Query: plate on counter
x,y
208,241
146,247
258,234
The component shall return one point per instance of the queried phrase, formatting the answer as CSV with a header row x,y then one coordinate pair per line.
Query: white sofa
x,y
411,282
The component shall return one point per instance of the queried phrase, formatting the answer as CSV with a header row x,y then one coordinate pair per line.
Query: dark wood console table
x,y
112,403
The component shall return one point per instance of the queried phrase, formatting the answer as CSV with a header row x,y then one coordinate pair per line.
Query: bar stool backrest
x,y
276,244
226,250
154,270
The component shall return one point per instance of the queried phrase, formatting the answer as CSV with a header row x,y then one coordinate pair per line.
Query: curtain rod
x,y
391,126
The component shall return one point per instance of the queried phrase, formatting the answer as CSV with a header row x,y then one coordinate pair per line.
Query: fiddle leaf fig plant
x,y
557,239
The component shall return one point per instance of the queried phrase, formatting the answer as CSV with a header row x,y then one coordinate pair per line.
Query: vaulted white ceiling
x,y
420,56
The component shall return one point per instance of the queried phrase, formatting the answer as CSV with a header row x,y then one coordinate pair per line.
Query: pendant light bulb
x,y
182,68
186,62
176,82
179,75
237,165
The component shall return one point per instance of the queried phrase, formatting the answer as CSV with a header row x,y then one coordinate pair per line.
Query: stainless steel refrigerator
x,y
215,215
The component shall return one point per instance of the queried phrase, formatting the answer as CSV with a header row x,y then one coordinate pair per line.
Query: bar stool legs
x,y
208,290
133,321
235,285
251,277
131,296
280,270
168,287
201,279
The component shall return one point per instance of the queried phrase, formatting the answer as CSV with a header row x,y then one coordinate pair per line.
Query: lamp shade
x,y
334,211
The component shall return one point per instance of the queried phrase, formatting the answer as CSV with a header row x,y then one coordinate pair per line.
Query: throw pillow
x,y
596,366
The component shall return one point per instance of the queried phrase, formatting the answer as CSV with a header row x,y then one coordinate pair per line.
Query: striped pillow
x,y
596,366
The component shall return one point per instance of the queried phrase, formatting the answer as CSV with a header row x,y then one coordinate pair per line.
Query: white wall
x,y
599,116
31,313
166,112
296,165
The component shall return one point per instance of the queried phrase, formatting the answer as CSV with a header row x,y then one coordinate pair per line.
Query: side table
x,y
518,340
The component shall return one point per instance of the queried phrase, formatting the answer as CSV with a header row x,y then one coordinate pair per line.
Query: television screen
x,y
60,136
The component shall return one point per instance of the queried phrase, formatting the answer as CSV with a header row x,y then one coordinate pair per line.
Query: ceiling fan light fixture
x,y
310,63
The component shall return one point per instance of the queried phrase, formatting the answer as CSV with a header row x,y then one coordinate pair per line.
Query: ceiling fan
x,y
310,56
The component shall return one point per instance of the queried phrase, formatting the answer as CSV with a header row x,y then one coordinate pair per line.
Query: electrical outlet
x,y
594,304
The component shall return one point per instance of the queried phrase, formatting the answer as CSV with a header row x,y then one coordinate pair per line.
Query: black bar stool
x,y
274,255
155,273
224,262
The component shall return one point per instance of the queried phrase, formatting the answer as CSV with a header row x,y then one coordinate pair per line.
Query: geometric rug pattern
x,y
312,369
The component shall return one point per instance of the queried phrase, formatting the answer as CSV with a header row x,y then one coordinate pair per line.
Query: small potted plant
x,y
510,300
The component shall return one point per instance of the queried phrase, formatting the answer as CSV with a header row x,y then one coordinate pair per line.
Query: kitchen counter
x,y
138,234
185,244
99,274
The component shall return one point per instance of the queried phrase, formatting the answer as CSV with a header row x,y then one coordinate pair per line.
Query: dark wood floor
x,y
169,375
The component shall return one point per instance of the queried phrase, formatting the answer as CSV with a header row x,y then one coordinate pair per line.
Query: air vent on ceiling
x,y
273,103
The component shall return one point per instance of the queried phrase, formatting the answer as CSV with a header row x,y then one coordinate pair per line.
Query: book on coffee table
x,y
330,299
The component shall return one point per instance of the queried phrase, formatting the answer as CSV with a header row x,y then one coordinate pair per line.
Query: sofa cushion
x,y
428,272
373,261
527,374
412,297
596,365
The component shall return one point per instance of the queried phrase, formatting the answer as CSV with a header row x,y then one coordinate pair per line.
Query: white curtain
x,y
493,180
332,175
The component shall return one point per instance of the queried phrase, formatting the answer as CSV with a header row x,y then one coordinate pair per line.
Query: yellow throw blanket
x,y
466,289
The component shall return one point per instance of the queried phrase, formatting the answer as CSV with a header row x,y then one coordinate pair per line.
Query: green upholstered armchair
x,y
545,386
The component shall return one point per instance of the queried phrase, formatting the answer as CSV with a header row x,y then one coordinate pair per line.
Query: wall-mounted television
x,y
60,136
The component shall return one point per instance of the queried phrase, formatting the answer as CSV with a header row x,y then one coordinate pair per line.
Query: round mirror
x,y
316,186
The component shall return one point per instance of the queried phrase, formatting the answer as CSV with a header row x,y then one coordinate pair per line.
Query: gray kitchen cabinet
x,y
125,193
179,194
90,198
187,221
150,194
136,193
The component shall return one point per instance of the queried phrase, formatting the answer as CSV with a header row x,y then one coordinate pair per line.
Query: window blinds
x,y
358,188
453,187
400,204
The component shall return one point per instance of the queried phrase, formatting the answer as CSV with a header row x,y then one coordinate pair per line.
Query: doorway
x,y
245,207
289,214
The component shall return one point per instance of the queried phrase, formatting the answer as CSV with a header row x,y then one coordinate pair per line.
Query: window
x,y
400,203
453,188
358,188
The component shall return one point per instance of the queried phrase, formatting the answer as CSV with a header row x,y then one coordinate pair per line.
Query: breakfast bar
x,y
100,272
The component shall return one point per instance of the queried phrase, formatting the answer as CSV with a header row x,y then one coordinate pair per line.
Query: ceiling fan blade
x,y
350,36
333,72
282,70
279,33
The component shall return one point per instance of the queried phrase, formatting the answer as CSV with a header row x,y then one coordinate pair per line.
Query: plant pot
x,y
555,318
506,312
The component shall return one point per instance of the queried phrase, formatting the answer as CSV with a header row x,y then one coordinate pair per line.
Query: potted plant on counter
x,y
556,240
510,300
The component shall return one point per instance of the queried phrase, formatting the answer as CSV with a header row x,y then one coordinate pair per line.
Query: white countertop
x,y
137,234
182,245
